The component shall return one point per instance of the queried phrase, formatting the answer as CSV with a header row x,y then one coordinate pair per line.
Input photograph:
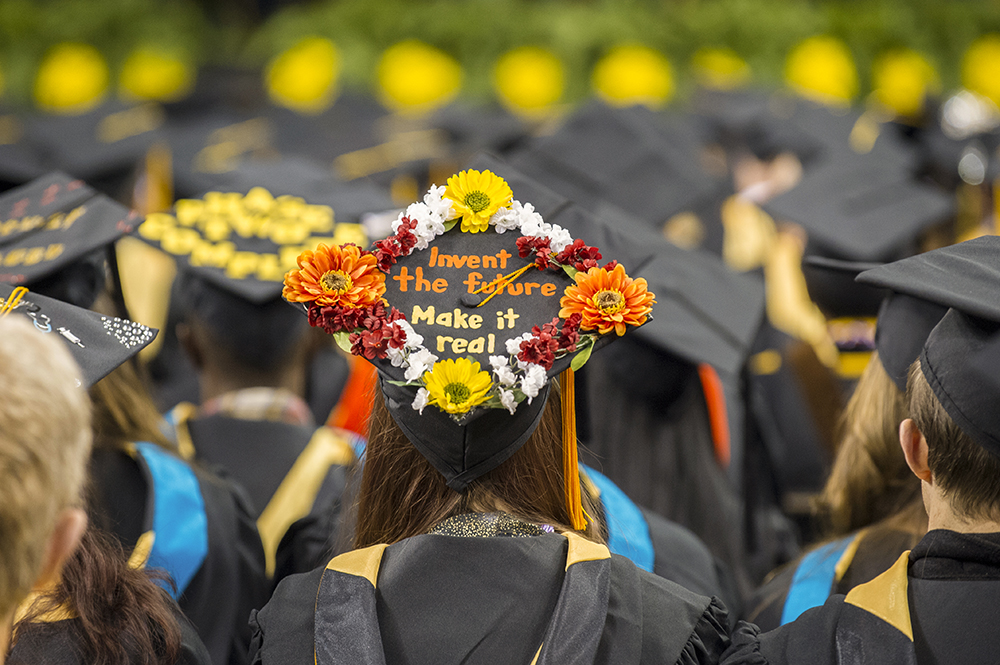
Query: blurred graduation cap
x,y
51,236
19,160
862,211
97,342
630,158
103,146
831,285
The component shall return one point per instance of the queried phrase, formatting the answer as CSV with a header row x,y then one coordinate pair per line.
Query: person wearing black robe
x,y
474,540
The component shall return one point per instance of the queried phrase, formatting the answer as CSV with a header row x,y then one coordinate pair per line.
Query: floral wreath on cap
x,y
342,290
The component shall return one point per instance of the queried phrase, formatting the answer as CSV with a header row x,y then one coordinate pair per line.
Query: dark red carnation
x,y
579,255
540,247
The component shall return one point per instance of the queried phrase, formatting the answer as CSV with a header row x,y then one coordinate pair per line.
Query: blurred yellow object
x,y
634,75
415,77
902,80
981,67
749,234
2,83
149,73
720,68
304,77
821,68
73,78
529,79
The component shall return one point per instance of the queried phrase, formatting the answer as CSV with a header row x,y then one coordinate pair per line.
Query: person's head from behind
x,y
44,445
236,343
952,439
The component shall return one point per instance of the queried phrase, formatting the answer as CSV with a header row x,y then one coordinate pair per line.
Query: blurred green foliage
x,y
476,32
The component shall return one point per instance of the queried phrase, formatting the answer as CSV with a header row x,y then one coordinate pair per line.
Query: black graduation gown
x,y
466,599
950,583
197,526
61,642
266,457
834,568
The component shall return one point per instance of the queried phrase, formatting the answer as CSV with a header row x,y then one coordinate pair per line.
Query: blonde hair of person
x,y
44,445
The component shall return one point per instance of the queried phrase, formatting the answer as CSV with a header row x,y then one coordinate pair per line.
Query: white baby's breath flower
x,y
504,372
439,206
533,381
413,339
507,219
507,399
420,401
396,356
514,344
559,238
419,362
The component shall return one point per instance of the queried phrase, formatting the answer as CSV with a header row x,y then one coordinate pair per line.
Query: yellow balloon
x,y
981,67
529,79
150,73
902,80
414,76
821,68
720,68
73,78
631,75
304,77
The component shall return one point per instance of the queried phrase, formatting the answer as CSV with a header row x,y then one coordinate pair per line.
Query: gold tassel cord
x,y
571,466
500,283
12,300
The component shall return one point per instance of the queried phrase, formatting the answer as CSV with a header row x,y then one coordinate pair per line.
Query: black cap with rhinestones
x,y
97,342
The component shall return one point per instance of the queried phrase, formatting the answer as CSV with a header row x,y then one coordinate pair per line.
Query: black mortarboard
x,y
832,287
434,289
53,224
904,323
19,161
97,342
101,146
862,211
631,158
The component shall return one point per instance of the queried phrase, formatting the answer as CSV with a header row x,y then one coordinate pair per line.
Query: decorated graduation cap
x,y
97,342
51,232
863,211
467,311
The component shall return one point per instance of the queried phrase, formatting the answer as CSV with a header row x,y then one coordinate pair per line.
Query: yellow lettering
x,y
74,214
179,241
459,345
34,255
443,319
216,255
475,321
477,345
14,257
156,225
241,265
53,251
421,315
441,341
268,269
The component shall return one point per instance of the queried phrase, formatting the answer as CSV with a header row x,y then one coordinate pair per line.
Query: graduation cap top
x,y
864,211
961,358
97,342
484,302
53,222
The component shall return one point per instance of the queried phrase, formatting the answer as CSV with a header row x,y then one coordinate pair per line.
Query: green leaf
x,y
449,225
570,270
404,383
343,340
581,358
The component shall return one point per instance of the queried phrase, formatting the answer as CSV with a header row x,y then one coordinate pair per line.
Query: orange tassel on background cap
x,y
571,467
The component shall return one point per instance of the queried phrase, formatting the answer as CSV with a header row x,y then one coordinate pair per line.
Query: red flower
x,y
570,333
526,245
401,244
579,255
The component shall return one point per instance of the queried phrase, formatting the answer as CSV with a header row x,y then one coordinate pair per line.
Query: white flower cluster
x,y
522,217
430,216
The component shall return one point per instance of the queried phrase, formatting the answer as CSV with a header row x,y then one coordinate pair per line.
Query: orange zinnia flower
x,y
335,276
607,300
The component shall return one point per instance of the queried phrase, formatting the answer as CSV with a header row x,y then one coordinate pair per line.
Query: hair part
x,y
44,444
870,480
402,495
968,475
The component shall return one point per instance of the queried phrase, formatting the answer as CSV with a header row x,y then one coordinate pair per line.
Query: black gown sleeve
x,y
710,637
282,632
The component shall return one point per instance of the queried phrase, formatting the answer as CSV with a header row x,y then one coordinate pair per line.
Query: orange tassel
x,y
715,400
571,467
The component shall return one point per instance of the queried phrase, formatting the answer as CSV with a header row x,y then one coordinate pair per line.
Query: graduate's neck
x,y
216,380
941,514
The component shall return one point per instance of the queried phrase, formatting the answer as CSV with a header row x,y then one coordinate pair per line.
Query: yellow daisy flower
x,y
476,196
455,386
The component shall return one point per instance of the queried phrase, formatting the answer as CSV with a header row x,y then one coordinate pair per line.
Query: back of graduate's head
x,y
402,494
967,474
252,342
44,443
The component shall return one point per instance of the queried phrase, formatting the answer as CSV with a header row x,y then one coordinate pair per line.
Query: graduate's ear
x,y
914,447
191,344
70,525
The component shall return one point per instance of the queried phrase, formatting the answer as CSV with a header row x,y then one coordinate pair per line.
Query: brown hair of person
x,y
402,495
123,411
124,617
870,480
968,475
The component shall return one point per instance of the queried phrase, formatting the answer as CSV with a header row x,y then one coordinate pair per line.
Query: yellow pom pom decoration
x,y
981,67
149,73
821,68
304,77
529,79
631,75
415,77
902,80
720,68
73,78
